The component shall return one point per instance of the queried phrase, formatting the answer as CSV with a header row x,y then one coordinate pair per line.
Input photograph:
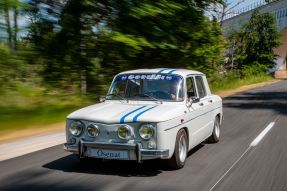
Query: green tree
x,y
66,35
165,33
15,7
6,7
86,41
10,10
260,36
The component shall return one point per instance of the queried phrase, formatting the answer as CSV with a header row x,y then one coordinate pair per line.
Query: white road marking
x,y
252,144
262,134
31,144
229,169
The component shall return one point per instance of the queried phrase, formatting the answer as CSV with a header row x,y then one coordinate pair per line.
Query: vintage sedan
x,y
147,114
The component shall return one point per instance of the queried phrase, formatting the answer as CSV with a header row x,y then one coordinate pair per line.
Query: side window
x,y
200,86
119,87
190,87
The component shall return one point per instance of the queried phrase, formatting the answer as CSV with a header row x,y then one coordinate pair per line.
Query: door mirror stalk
x,y
192,100
195,100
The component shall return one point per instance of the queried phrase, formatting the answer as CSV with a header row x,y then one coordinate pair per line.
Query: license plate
x,y
108,154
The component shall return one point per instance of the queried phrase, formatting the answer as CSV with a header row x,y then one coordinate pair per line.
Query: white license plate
x,y
108,154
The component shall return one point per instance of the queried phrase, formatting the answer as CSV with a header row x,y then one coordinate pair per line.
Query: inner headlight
x,y
124,132
146,131
93,130
76,128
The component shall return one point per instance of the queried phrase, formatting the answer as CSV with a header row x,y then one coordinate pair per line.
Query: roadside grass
x,y
13,118
225,84
35,109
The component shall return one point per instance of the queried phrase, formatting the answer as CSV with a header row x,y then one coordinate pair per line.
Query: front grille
x,y
108,132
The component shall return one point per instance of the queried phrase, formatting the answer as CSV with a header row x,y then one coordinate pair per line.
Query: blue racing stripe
x,y
170,72
139,114
122,120
162,70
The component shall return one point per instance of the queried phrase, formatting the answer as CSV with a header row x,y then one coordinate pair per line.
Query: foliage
x,y
252,46
261,37
74,48
233,80
11,10
171,32
87,39
253,69
15,69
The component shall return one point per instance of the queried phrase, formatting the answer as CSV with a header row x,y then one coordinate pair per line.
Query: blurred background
x,y
59,55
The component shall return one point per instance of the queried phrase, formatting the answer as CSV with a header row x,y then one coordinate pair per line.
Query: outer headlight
x,y
146,131
124,132
93,130
76,128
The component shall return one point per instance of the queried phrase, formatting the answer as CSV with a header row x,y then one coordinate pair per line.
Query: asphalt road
x,y
231,164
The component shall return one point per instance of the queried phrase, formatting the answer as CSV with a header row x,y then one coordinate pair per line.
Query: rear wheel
x,y
214,138
178,159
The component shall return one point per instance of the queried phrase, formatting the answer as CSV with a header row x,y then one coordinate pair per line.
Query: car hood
x,y
113,112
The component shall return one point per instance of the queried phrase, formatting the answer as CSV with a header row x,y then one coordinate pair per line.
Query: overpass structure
x,y
279,9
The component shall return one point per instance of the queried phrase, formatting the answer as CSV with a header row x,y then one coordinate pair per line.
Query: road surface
x,y
251,155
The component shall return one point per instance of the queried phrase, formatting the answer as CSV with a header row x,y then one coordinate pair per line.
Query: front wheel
x,y
214,138
178,159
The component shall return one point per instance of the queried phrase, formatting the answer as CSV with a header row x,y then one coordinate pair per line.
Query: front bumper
x,y
136,152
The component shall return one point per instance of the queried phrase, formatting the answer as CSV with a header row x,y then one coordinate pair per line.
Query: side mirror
x,y
102,99
192,100
195,99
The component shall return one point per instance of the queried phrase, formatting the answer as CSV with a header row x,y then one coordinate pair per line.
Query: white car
x,y
147,114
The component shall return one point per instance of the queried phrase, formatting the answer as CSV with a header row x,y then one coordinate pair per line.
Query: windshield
x,y
154,87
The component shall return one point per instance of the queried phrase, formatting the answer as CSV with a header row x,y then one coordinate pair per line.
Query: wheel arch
x,y
187,133
219,115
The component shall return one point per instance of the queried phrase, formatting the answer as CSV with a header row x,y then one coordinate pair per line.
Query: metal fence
x,y
247,8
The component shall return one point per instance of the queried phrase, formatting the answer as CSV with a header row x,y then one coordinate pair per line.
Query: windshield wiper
x,y
147,95
117,95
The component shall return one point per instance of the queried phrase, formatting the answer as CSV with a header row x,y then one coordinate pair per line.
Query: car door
x,y
199,114
206,104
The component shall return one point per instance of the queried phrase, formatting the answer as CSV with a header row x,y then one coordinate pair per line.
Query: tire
x,y
178,159
214,138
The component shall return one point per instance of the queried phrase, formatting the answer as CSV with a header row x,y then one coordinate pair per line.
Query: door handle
x,y
210,101
201,104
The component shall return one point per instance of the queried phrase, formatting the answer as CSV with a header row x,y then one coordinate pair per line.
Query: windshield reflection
x,y
154,87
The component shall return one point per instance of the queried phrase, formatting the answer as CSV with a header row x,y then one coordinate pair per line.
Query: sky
x,y
246,3
244,6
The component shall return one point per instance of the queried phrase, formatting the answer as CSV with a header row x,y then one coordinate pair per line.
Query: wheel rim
x,y
182,148
216,128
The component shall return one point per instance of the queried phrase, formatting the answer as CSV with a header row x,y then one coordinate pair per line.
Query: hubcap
x,y
217,130
182,148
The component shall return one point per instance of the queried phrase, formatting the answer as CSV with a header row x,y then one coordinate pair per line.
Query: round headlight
x,y
146,131
76,128
124,132
93,130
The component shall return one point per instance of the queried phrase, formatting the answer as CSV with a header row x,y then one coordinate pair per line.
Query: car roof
x,y
178,71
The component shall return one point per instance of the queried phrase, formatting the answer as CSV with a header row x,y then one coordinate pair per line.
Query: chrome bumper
x,y
136,152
